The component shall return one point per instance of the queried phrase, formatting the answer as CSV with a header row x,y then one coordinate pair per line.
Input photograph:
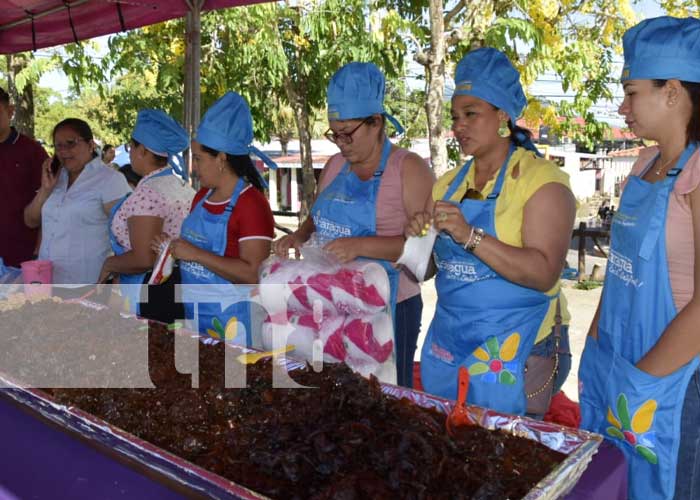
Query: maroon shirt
x,y
20,177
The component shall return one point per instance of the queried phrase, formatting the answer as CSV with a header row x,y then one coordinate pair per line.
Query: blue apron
x,y
482,321
216,306
637,411
129,284
348,208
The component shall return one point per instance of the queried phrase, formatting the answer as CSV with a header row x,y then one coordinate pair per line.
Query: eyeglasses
x,y
472,194
344,138
68,145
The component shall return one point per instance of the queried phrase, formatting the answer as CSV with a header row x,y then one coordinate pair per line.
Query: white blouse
x,y
75,232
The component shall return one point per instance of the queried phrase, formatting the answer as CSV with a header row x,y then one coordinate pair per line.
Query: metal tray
x,y
579,445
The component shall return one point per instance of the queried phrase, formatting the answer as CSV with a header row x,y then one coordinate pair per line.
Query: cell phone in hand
x,y
55,165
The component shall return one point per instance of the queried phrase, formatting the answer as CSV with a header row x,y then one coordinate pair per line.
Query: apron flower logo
x,y
219,332
634,431
496,360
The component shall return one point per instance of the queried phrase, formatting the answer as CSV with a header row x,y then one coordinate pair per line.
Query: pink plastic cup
x,y
37,276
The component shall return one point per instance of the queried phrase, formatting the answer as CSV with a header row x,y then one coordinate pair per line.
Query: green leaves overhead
x,y
682,8
505,29
280,56
33,71
258,51
574,38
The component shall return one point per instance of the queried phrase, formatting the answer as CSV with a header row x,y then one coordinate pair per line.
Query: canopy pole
x,y
193,56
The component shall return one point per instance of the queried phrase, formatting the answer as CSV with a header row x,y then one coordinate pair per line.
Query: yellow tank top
x,y
534,172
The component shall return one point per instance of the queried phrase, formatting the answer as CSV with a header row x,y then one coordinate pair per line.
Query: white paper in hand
x,y
417,252
163,267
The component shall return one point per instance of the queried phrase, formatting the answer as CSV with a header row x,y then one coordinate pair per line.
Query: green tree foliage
x,y
285,53
51,108
23,72
682,8
575,38
279,56
147,66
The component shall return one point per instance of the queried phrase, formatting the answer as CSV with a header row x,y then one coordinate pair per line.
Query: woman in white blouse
x,y
72,206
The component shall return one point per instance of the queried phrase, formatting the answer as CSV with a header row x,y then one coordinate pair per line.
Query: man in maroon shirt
x,y
21,159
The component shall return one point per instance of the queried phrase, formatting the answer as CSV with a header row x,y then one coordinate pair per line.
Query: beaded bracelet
x,y
475,237
471,235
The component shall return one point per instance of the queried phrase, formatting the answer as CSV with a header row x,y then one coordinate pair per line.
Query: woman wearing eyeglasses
x,y
505,221
72,205
366,194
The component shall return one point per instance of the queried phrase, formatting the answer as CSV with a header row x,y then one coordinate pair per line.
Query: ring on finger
x,y
442,217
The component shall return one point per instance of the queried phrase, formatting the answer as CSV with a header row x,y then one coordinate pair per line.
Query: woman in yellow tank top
x,y
505,221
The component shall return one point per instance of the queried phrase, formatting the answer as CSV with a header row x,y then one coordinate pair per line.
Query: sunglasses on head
x,y
472,194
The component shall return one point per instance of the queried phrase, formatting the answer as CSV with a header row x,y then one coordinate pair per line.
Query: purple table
x,y
605,478
40,461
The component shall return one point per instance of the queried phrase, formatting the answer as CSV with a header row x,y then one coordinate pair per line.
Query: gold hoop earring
x,y
503,130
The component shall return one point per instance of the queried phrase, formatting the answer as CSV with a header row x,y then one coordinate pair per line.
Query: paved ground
x,y
582,305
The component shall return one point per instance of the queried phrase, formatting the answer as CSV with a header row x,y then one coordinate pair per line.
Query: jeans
x,y
408,316
688,465
545,348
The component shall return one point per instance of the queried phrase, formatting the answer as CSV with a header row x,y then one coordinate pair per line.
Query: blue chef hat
x,y
488,74
663,48
163,136
357,91
228,126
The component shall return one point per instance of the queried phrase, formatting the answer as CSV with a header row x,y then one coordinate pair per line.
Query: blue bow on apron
x,y
348,208
216,306
482,321
638,412
129,284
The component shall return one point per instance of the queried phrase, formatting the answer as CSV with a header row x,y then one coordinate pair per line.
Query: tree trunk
x,y
307,165
24,99
301,118
284,143
435,88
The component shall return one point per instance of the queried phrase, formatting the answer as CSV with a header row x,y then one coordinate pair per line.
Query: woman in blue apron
x,y
228,233
366,194
638,379
158,205
505,222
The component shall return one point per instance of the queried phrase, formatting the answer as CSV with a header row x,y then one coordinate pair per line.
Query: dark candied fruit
x,y
340,437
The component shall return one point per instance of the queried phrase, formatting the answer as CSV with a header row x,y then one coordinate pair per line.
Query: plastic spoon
x,y
254,357
459,416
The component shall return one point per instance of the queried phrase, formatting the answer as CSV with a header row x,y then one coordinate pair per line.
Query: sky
x,y
547,87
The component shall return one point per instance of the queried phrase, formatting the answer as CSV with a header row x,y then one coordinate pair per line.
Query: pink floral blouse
x,y
165,197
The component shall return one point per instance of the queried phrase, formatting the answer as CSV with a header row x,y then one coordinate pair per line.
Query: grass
x,y
588,285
